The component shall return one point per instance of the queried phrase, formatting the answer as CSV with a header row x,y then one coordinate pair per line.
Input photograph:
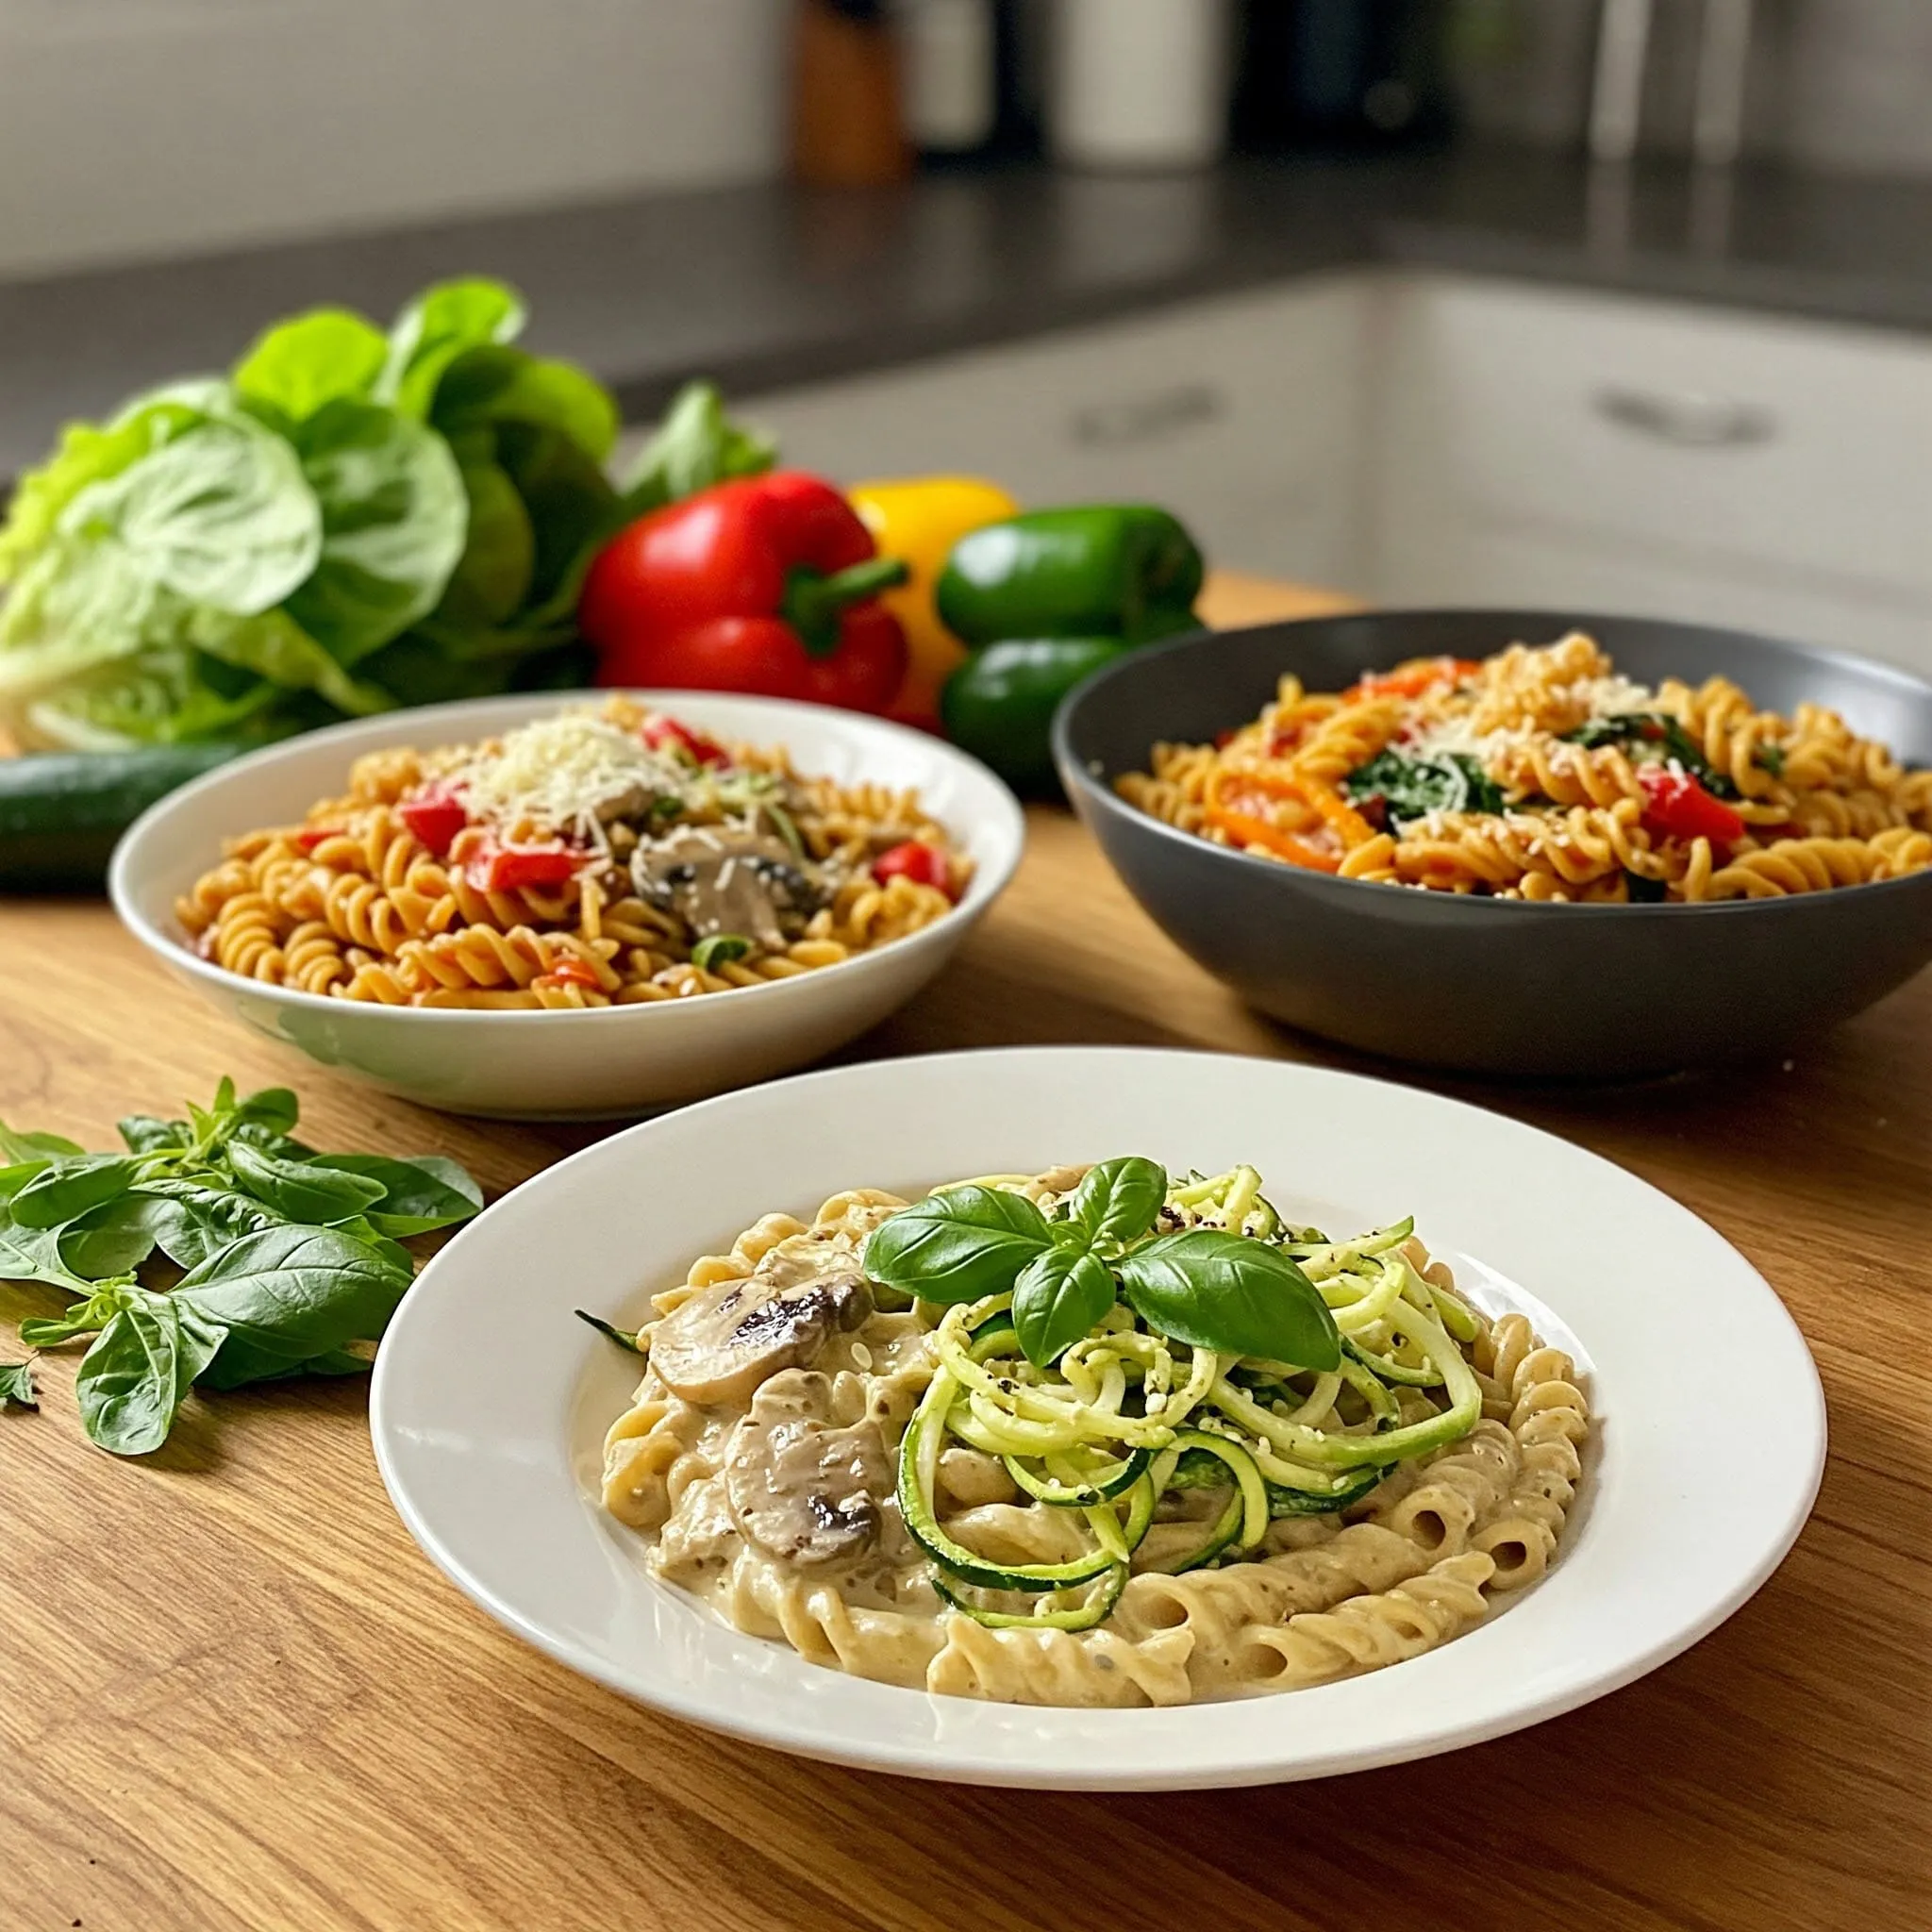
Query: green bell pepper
x,y
1043,600
1126,571
999,704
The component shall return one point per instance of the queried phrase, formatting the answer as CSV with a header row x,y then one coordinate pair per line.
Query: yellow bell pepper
x,y
920,519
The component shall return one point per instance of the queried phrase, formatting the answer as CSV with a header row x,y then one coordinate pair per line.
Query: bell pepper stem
x,y
814,600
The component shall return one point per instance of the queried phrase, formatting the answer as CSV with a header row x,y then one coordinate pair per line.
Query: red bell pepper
x,y
924,864
436,815
667,734
765,584
1676,805
511,868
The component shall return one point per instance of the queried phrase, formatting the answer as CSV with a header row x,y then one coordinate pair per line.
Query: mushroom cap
x,y
800,1489
723,1341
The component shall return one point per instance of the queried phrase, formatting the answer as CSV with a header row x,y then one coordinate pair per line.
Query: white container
x,y
1141,84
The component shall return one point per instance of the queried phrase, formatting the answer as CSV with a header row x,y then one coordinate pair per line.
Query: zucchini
x,y
1103,1487
1287,1502
1226,1527
1249,1488
1096,1610
915,1506
62,812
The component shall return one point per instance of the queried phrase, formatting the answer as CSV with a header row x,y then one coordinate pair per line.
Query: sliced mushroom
x,y
725,1341
717,879
802,1491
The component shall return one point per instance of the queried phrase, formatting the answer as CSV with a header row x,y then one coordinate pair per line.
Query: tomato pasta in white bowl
x,y
548,907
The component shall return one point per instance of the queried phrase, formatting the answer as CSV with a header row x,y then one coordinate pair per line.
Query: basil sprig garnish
x,y
1207,1287
291,1259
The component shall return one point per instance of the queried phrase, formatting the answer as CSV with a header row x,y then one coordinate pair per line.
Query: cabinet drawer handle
x,y
1688,421
1147,419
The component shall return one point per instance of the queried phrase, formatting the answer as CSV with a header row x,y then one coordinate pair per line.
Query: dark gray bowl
x,y
1486,985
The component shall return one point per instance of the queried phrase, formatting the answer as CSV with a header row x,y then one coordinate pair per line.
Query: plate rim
x,y
915,1759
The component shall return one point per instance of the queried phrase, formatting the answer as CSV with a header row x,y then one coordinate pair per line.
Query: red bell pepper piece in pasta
x,y
924,864
512,868
666,734
436,815
766,584
309,837
1676,805
1411,680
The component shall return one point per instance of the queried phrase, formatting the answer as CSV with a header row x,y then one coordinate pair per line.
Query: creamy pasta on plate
x,y
1092,1437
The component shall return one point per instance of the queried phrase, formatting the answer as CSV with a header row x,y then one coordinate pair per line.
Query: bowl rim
x,y
987,884
1081,782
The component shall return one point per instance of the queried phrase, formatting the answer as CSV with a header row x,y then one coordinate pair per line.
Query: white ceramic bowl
x,y
564,1065
490,1401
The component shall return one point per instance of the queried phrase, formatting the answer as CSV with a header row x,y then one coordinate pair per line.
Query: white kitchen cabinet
x,y
1242,415
1603,453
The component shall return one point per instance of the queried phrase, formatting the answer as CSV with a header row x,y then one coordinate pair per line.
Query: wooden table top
x,y
234,1695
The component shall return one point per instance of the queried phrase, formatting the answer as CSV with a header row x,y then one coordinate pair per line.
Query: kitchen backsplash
x,y
1835,84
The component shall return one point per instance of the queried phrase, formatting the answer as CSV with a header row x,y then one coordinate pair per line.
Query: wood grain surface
x,y
234,1695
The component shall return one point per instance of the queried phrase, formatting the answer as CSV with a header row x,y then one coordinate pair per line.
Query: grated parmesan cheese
x,y
560,776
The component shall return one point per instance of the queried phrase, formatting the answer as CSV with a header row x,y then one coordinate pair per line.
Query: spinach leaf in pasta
x,y
1410,787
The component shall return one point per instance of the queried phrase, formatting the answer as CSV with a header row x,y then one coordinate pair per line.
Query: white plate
x,y
612,1059
490,1400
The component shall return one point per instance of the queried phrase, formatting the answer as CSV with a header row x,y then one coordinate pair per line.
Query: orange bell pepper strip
x,y
1411,680
1340,819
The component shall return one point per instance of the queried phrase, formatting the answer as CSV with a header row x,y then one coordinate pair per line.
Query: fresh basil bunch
x,y
292,1257
1207,1287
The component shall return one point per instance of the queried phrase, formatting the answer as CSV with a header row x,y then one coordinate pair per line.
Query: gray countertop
x,y
767,285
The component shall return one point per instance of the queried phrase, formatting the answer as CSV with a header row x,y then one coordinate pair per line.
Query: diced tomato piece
x,y
924,864
1676,805
512,868
667,734
436,815
575,972
309,837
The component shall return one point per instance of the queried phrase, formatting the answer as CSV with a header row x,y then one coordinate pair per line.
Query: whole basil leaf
x,y
16,1177
420,1193
35,1147
361,1228
69,1188
297,1189
395,517
17,1384
1058,1298
1214,1289
132,1381
957,1245
299,366
1119,1200
273,1107
33,1254
289,1294
115,1238
283,1145
193,1219
144,1133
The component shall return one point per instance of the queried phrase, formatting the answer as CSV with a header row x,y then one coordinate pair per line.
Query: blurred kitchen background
x,y
1589,303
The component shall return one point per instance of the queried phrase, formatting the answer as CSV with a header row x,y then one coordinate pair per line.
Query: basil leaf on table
x,y
273,1107
1119,1200
16,1147
115,1238
71,1186
144,1133
17,1384
1220,1291
419,1194
289,1294
139,1371
298,1189
14,1178
102,1303
957,1245
1059,1295
193,1219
